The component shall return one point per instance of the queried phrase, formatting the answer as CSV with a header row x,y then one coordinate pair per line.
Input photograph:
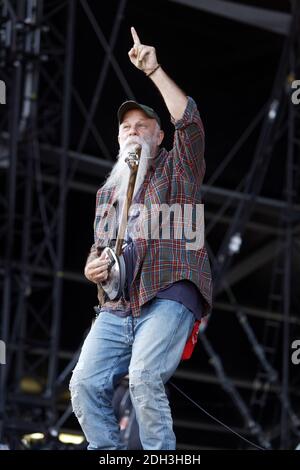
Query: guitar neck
x,y
125,210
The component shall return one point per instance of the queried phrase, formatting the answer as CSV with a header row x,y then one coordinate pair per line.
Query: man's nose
x,y
133,131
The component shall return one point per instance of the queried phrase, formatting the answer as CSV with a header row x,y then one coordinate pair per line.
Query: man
x,y
144,333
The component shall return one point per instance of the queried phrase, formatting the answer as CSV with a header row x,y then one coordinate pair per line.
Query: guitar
x,y
115,282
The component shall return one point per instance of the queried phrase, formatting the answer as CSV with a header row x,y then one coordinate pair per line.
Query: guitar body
x,y
114,286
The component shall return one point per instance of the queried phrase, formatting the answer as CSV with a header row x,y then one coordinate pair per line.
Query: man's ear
x,y
161,137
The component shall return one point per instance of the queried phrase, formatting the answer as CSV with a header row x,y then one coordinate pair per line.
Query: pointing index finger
x,y
135,37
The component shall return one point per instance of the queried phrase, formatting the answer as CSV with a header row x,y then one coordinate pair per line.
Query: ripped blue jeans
x,y
149,348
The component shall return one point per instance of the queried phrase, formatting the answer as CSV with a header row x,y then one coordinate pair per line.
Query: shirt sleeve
x,y
188,144
92,254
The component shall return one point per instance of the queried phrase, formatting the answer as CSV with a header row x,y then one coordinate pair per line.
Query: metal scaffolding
x,y
281,120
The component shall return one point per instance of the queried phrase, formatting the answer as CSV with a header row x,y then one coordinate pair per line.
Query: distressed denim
x,y
149,348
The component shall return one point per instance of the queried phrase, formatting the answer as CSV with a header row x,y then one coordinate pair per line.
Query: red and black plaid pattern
x,y
174,178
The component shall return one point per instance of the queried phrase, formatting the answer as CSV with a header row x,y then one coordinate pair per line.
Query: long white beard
x,y
119,176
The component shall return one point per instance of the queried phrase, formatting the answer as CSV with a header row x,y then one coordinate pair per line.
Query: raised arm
x,y
144,58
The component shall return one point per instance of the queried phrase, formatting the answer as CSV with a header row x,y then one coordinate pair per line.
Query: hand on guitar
x,y
96,271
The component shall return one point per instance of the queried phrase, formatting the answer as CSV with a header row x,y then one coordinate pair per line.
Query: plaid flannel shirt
x,y
175,177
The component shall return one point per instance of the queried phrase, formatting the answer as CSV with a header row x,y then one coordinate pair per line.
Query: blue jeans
x,y
149,348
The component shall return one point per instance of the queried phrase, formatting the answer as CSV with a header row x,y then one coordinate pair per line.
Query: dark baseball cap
x,y
128,105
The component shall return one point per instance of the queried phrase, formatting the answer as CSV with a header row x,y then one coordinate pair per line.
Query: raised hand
x,y
142,56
